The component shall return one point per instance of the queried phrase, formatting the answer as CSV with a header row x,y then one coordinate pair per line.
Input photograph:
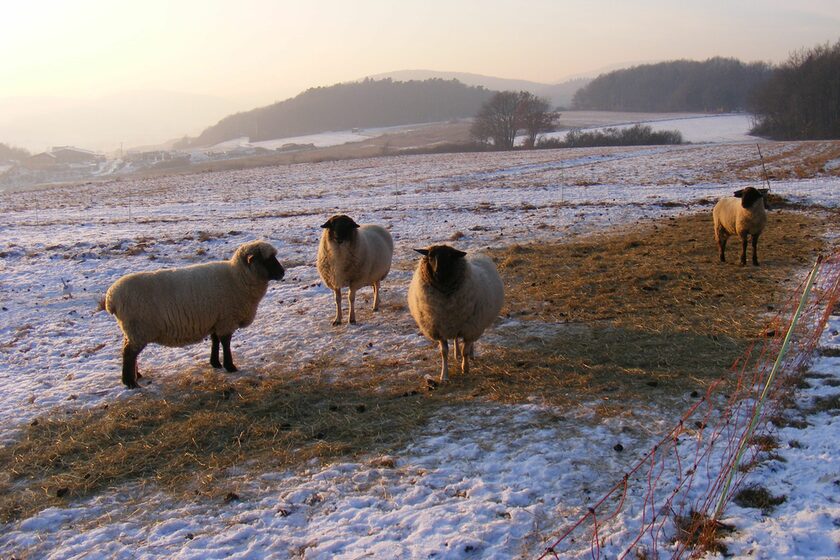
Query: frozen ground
x,y
488,482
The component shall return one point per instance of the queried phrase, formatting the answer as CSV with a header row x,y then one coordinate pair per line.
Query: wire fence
x,y
669,503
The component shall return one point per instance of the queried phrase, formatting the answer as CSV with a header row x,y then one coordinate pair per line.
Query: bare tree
x,y
507,112
535,116
497,120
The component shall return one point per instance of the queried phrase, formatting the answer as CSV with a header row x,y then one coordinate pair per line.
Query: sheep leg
x,y
466,353
227,356
744,249
755,249
337,320
376,296
457,350
129,365
444,357
214,351
351,299
721,243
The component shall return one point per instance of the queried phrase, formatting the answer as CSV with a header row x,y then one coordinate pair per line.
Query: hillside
x,y
365,104
559,94
717,84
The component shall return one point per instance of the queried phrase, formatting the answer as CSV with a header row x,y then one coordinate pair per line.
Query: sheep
x,y
352,255
455,296
181,306
742,215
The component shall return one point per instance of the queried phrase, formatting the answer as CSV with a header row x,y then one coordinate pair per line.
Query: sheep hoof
x,y
216,364
231,368
352,321
336,323
131,384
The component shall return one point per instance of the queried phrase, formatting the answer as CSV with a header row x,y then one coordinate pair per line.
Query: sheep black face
x,y
341,228
272,267
750,195
442,263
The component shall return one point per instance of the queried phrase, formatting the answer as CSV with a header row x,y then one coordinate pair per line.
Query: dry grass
x,y
638,317
800,160
186,440
661,278
758,497
702,533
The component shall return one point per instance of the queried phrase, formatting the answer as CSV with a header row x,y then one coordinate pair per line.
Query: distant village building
x,y
70,154
44,160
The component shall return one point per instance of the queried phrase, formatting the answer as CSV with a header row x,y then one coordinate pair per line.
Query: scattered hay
x,y
702,533
663,277
186,439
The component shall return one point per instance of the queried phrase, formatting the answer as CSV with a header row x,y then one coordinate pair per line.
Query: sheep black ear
x,y
424,252
458,254
326,224
739,193
764,191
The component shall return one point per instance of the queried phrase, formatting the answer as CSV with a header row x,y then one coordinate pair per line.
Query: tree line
x,y
11,153
365,104
801,100
715,85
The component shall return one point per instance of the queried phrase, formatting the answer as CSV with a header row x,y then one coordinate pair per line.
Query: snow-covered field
x,y
694,128
319,140
489,481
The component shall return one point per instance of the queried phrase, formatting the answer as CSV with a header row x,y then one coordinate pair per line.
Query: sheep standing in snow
x,y
454,296
176,307
353,256
742,215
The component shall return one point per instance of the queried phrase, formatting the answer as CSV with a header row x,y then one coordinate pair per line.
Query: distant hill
x,y
717,84
559,94
365,104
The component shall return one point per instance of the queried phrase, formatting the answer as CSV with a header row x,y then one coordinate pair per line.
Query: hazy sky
x,y
269,50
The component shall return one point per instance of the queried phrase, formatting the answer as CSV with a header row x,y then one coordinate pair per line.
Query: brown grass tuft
x,y
701,533
758,497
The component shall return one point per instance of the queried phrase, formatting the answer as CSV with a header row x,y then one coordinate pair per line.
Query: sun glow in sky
x,y
107,73
91,48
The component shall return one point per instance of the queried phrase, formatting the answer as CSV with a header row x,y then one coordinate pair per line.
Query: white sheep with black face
x,y
454,296
742,215
181,306
352,256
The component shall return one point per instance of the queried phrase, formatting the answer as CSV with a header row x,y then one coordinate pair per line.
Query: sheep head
x,y
443,265
750,195
341,228
261,257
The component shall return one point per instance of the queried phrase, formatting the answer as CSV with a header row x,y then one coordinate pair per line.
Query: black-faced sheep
x,y
454,296
352,256
180,306
742,215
